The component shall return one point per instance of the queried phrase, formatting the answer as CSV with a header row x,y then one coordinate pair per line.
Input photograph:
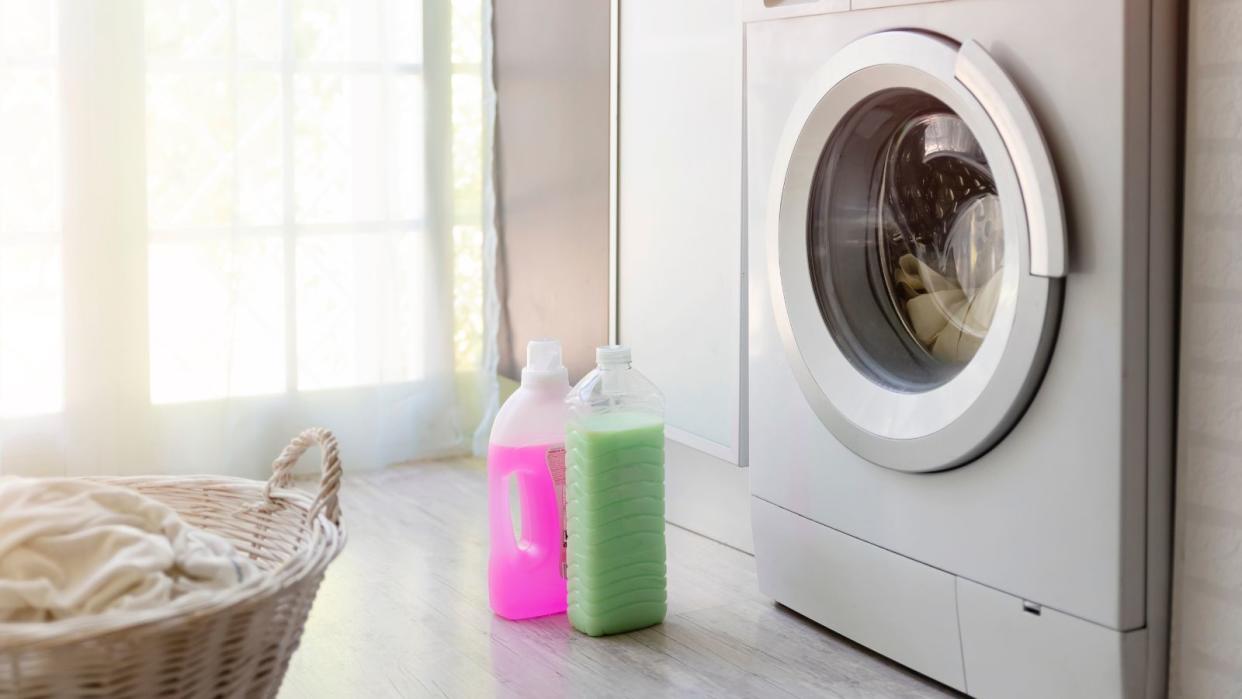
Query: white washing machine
x,y
961,247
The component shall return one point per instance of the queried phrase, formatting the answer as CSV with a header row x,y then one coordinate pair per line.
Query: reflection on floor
x,y
404,612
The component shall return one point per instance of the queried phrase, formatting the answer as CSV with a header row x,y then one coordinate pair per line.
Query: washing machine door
x,y
916,250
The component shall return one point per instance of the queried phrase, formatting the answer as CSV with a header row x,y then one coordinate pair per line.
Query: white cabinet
x,y
680,240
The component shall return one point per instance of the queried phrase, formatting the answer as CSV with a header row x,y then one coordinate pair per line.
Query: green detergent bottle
x,y
615,489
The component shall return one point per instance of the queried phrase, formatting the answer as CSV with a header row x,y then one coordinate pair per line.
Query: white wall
x,y
680,247
1207,588
680,212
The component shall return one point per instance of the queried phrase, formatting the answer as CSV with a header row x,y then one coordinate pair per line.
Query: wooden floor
x,y
404,612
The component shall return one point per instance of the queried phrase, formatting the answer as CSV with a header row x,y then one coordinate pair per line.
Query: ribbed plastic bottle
x,y
615,482
526,573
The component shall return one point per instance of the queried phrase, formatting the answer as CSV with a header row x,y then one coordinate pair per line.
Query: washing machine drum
x,y
917,250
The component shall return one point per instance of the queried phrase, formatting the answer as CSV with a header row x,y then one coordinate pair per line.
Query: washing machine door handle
x,y
979,73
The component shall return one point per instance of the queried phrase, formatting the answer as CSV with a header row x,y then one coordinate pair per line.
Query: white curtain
x,y
222,221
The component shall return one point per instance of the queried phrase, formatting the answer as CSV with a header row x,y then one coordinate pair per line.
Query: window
x,y
219,200
284,196
31,304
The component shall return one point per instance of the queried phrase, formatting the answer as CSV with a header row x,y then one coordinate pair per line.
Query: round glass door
x,y
916,249
905,240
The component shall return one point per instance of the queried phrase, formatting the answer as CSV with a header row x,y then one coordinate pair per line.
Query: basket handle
x,y
329,483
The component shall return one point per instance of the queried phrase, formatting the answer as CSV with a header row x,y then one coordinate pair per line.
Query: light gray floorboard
x,y
403,613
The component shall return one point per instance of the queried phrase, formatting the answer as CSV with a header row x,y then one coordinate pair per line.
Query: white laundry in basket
x,y
71,547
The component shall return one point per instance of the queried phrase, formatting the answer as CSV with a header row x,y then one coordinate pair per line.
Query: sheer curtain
x,y
225,220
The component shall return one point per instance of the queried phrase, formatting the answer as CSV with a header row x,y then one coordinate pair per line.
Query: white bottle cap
x,y
612,355
543,362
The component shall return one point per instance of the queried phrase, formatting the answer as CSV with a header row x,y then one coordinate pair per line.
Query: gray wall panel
x,y
552,83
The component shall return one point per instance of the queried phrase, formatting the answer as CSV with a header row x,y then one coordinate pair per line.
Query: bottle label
x,y
556,467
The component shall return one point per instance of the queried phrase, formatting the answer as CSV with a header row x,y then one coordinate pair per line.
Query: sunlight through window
x,y
285,196
31,298
286,207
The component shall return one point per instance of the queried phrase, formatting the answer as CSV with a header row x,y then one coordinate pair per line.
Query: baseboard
x,y
707,495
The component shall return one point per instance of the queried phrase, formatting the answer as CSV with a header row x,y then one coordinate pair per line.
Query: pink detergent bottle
x,y
525,570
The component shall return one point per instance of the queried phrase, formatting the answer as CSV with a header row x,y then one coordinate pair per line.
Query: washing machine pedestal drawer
x,y
1014,648
966,635
889,603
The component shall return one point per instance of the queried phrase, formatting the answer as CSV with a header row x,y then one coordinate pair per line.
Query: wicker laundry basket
x,y
237,643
